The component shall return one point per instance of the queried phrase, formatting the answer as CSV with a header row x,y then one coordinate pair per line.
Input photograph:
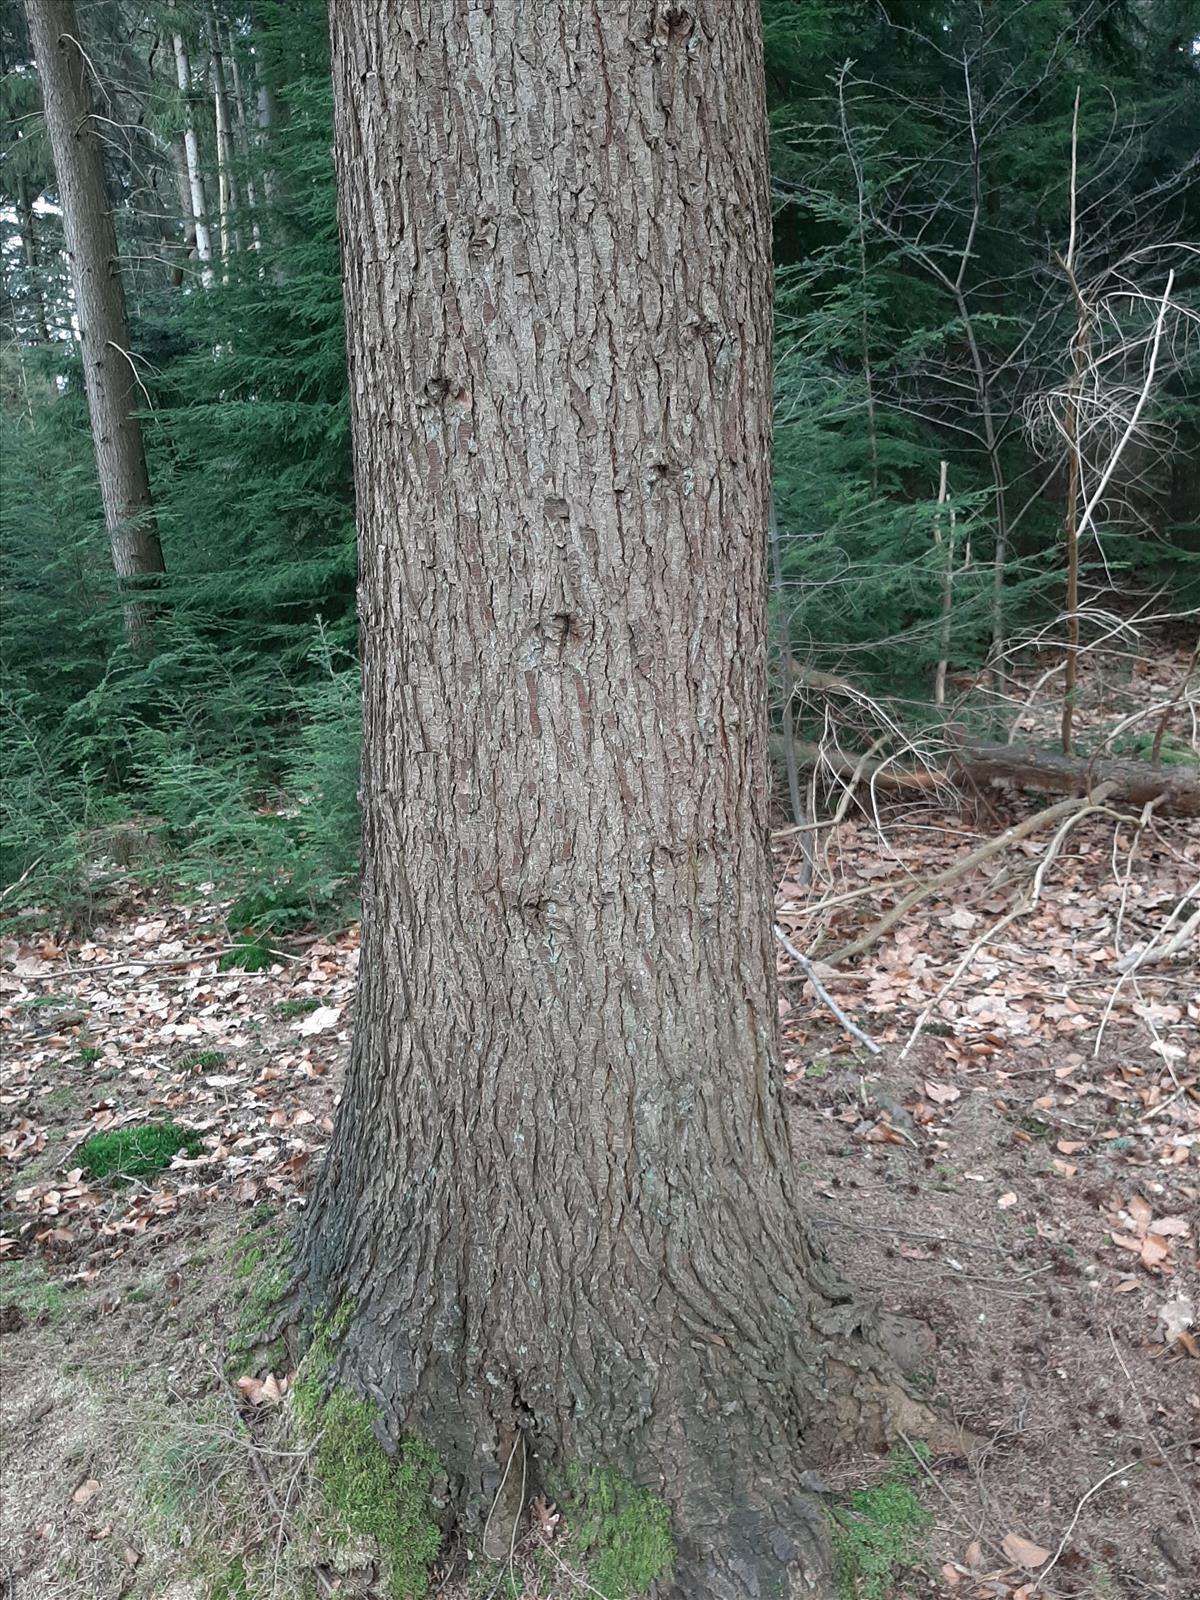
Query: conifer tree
x,y
110,377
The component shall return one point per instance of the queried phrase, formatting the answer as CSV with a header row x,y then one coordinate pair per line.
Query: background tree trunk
x,y
33,263
191,144
227,189
560,1193
109,378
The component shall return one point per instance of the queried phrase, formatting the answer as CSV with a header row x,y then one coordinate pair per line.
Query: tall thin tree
x,y
110,379
191,142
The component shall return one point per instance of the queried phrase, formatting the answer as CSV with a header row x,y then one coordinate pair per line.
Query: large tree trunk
x,y
110,380
560,1194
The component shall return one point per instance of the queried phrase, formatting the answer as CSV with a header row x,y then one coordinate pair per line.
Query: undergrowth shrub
x,y
243,784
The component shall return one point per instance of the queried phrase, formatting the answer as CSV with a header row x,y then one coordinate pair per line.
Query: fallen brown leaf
x,y
1023,1551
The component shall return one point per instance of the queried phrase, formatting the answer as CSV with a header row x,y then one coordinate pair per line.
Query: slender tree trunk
x,y
943,665
33,263
1079,354
179,167
191,144
1074,474
109,377
560,1195
266,114
227,203
243,139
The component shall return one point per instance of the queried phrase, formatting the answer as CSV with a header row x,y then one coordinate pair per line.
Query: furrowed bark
x,y
560,1193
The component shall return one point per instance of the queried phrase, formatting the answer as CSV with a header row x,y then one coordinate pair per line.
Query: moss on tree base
x,y
367,1493
620,1532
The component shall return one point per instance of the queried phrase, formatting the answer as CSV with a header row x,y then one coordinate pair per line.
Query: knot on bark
x,y
671,24
441,389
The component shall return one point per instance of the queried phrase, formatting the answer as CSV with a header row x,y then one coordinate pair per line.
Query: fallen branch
x,y
57,974
1138,958
1176,790
993,847
1062,1543
1181,940
823,994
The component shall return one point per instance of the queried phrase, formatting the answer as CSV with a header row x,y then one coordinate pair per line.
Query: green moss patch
x,y
621,1532
260,1281
308,1392
878,1535
232,1583
202,1061
376,1496
299,1007
139,1150
26,1285
367,1493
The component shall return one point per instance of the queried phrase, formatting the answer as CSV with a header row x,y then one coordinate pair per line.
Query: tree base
x,y
739,1475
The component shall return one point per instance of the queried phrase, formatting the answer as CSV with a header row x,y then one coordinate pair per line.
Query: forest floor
x,y
1023,1180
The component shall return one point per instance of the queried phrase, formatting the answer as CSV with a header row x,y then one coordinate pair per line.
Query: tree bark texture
x,y
110,381
560,1191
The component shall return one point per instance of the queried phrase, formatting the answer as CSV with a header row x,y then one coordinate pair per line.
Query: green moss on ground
x,y
308,1391
232,1583
299,1007
621,1532
878,1535
139,1150
25,1284
259,1288
202,1060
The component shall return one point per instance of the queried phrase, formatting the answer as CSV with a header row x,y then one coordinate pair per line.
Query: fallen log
x,y
1174,788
